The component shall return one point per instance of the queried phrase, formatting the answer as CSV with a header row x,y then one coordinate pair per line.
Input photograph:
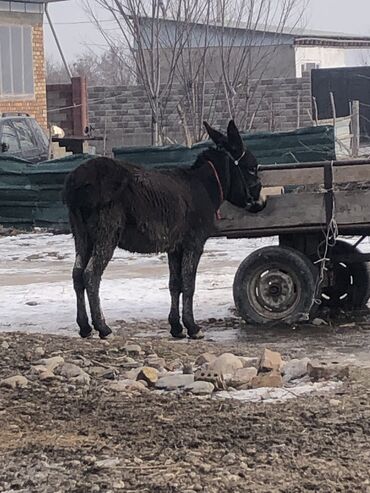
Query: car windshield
x,y
9,139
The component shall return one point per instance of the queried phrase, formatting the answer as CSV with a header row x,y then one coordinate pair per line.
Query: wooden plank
x,y
296,210
281,211
312,176
352,207
281,178
352,173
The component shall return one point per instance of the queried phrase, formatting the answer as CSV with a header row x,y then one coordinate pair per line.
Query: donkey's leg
x,y
189,265
175,285
83,252
105,243
82,258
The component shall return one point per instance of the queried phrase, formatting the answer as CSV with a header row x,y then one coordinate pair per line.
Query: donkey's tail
x,y
95,184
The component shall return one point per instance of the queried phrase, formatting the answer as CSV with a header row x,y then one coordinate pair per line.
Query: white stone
x,y
200,388
74,373
248,362
107,463
133,349
174,381
47,375
126,385
51,363
205,359
14,382
242,376
334,402
39,352
270,360
295,368
226,364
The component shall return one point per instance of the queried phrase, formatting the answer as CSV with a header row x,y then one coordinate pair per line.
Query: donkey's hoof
x,y
86,332
105,332
178,335
196,335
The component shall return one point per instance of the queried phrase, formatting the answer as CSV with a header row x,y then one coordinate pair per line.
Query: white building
x,y
286,53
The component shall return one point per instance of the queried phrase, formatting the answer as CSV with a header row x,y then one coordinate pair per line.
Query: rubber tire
x,y
359,292
283,257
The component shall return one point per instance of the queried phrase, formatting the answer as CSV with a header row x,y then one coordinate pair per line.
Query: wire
x,y
80,22
331,236
91,101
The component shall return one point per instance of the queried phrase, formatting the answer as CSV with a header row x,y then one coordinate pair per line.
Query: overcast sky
x,y
75,32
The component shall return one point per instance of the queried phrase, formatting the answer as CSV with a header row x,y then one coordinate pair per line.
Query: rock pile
x,y
135,371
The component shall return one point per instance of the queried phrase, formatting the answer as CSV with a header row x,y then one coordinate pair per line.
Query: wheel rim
x,y
340,284
346,284
274,292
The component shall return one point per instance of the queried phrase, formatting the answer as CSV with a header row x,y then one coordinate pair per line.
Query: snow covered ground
x,y
37,294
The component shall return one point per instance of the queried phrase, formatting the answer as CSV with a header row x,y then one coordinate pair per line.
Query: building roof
x,y
36,1
298,35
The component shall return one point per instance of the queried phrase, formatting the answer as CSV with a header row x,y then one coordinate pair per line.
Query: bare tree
x,y
106,68
250,37
231,52
55,72
192,74
205,47
150,42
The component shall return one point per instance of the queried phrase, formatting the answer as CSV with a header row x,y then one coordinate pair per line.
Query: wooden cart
x,y
311,267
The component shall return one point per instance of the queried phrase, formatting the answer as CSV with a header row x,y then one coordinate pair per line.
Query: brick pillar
x,y
79,99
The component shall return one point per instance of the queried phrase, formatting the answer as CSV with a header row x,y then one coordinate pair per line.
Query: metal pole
x,y
318,164
57,41
355,117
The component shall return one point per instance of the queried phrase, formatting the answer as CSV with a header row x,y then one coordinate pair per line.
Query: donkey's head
x,y
244,185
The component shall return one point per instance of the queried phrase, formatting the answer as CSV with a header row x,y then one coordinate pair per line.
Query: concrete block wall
x,y
60,96
122,115
67,106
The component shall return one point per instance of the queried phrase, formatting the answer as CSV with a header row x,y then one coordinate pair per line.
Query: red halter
x,y
218,215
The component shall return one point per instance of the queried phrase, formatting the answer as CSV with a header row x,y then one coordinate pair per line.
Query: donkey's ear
x,y
217,137
233,136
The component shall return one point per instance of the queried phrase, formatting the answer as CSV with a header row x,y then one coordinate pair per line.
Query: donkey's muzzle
x,y
257,205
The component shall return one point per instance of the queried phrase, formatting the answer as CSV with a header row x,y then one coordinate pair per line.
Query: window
x,y
8,6
8,136
307,67
16,63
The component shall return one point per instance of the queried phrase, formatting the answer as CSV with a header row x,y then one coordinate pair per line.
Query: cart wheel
x,y
275,284
348,283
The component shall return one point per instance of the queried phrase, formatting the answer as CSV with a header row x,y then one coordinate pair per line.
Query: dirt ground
x,y
54,435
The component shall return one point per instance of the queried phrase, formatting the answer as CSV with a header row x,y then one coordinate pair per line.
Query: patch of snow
x,y
37,292
267,394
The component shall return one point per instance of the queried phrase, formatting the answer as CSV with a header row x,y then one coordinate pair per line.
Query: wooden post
x,y
184,124
315,110
355,124
334,111
79,101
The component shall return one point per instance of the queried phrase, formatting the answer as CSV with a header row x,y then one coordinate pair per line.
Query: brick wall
x,y
123,115
36,105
